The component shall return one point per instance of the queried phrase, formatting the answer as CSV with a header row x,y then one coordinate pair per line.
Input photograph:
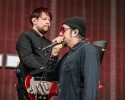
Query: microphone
x,y
51,45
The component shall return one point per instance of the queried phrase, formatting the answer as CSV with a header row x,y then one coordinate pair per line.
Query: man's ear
x,y
34,20
75,32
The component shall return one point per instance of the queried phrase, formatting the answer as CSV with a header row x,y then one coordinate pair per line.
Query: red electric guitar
x,y
49,89
44,88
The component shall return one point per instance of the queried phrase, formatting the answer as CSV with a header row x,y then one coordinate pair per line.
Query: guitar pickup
x,y
45,86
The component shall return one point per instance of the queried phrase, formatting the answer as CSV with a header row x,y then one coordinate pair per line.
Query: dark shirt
x,y
29,48
77,72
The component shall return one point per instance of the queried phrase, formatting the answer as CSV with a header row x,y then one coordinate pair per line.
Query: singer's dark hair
x,y
37,13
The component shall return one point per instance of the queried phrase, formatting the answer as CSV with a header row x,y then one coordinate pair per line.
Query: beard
x,y
42,30
64,44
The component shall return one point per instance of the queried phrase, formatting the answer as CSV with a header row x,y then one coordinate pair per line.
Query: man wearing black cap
x,y
78,70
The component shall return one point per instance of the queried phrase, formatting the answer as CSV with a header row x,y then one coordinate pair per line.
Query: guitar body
x,y
44,88
27,85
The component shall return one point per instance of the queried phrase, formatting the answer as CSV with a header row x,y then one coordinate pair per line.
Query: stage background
x,y
104,20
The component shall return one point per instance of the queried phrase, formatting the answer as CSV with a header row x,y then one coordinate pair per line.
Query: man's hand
x,y
56,48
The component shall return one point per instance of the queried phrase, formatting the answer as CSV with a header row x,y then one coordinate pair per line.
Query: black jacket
x,y
29,48
78,73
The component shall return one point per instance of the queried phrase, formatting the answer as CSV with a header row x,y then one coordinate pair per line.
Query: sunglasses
x,y
62,29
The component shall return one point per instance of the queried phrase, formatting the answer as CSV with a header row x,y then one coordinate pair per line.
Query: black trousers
x,y
22,94
21,91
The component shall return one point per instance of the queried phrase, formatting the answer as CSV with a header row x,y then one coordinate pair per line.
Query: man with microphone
x,y
78,70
